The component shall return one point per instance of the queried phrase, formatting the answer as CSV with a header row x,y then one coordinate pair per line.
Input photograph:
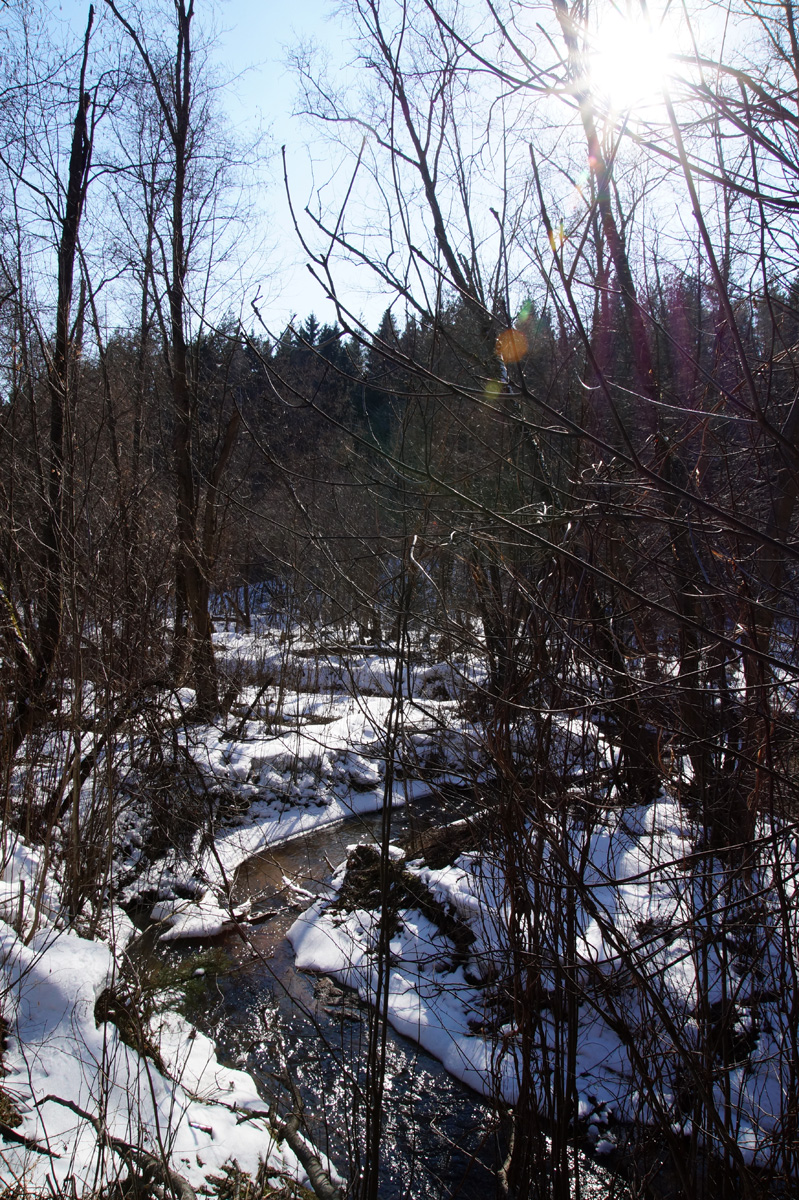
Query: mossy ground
x,y
147,989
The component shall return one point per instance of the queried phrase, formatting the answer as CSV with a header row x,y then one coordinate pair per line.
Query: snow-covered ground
x,y
70,1077
293,782
654,967
60,1063
666,948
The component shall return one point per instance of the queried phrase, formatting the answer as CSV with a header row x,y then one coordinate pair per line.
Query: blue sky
x,y
253,40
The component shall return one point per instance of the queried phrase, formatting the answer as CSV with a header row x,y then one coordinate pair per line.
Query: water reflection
x,y
440,1139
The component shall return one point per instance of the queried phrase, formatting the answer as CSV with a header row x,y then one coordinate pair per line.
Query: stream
x,y
440,1139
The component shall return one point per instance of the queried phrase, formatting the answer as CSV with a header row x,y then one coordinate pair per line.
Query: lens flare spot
x,y
493,389
524,312
511,346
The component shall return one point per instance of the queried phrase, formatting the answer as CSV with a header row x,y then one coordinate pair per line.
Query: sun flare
x,y
628,61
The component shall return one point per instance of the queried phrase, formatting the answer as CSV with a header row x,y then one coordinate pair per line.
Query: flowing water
x,y
440,1139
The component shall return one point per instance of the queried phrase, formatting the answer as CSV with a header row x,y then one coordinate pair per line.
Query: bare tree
x,y
172,74
662,499
36,667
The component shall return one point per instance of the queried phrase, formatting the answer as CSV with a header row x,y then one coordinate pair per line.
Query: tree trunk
x,y
29,705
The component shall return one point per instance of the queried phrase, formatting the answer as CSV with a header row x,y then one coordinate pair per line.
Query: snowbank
x,y
640,948
196,1114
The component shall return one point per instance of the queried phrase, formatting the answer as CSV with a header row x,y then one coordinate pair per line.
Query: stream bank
x,y
440,1138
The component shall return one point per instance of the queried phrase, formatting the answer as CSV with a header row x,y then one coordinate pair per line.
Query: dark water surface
x,y
440,1139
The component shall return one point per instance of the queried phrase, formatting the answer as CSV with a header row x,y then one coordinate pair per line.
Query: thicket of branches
x,y
570,448
594,448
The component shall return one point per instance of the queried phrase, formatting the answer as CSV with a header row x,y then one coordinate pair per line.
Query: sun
x,y
628,60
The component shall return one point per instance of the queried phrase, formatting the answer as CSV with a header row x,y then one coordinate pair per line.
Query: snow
x,y
429,1007
638,946
57,1050
196,1113
651,919
298,781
